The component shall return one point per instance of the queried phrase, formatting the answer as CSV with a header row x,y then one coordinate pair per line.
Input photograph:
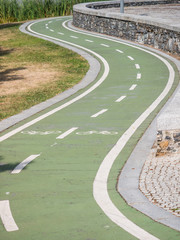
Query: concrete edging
x,y
89,77
129,176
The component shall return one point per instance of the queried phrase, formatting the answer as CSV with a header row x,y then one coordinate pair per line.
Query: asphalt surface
x,y
53,196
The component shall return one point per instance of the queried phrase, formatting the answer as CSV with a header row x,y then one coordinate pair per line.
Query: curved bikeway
x,y
65,148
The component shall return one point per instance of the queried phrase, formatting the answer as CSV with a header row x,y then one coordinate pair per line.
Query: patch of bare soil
x,y
22,79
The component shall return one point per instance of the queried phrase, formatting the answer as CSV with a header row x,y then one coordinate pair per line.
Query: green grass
x,y
21,53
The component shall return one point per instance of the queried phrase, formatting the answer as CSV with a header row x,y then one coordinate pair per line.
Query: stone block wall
x,y
136,28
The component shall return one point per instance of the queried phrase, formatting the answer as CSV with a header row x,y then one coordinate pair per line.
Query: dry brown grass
x,y
32,70
26,78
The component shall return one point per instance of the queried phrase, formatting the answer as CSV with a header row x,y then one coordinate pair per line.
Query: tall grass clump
x,y
21,10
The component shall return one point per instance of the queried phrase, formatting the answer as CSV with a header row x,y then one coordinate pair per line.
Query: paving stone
x,y
160,181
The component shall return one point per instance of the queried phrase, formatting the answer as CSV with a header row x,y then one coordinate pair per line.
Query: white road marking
x,y
73,37
99,113
120,99
87,40
137,66
51,30
138,76
60,33
32,132
65,134
120,221
96,132
46,24
47,27
54,144
24,163
6,216
133,87
50,22
100,192
104,45
117,50
101,80
131,58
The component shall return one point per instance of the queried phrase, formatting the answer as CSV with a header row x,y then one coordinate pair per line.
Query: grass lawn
x,y
33,70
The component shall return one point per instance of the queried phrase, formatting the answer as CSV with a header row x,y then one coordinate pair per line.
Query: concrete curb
x,y
129,177
90,77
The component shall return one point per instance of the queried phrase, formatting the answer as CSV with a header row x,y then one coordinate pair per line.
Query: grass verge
x,y
33,70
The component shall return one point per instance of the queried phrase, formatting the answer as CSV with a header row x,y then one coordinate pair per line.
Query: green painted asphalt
x,y
52,197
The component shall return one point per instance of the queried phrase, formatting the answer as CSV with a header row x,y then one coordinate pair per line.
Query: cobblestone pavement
x,y
160,181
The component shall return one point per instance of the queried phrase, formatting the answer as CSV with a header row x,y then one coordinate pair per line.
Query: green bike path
x,y
52,197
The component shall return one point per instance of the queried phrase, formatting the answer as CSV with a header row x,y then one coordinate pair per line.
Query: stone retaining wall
x,y
141,29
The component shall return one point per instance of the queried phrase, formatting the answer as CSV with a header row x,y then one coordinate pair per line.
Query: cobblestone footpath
x,y
160,180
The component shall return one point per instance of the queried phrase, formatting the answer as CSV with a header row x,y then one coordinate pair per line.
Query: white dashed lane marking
x,y
24,163
104,45
137,66
60,33
65,134
51,30
120,99
73,37
117,50
6,216
87,40
99,113
138,76
131,58
133,87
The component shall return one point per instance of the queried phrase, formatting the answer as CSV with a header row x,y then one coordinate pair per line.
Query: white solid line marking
x,y
99,113
138,76
87,40
119,220
137,66
24,163
131,58
97,84
104,45
116,216
6,216
100,191
120,99
67,133
51,30
60,33
117,50
73,37
133,87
